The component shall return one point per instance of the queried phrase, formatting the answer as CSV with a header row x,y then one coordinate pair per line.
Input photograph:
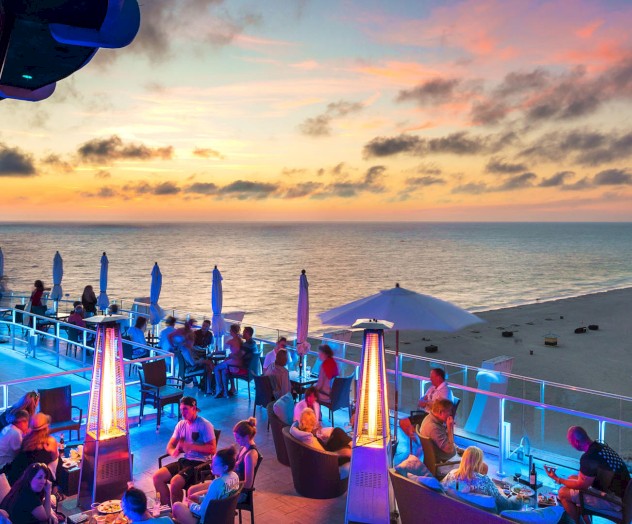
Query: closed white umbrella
x,y
155,313
407,310
302,318
103,301
217,299
58,274
1,263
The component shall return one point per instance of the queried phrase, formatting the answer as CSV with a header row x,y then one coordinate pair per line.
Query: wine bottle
x,y
533,477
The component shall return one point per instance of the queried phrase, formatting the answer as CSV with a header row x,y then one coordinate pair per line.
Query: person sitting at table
x,y
76,317
183,338
170,327
309,401
225,484
29,500
328,371
137,334
89,301
471,476
271,357
37,446
134,507
195,437
279,375
11,438
203,337
309,431
28,402
438,426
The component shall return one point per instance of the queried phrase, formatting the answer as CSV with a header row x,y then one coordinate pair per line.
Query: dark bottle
x,y
533,477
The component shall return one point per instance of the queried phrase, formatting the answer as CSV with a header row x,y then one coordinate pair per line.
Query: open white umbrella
x,y
217,299
407,310
103,301
302,318
155,313
58,274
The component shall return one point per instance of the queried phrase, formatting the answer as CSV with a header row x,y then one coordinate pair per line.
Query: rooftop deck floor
x,y
276,501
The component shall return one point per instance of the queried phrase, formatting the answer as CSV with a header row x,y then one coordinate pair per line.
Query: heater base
x,y
105,470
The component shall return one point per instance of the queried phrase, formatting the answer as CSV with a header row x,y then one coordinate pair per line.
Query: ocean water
x,y
478,266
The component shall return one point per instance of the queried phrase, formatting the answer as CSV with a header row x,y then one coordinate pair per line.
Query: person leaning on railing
x,y
600,467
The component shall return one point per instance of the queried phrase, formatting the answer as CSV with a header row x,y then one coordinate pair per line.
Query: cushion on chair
x,y
169,391
482,502
430,482
345,469
284,408
413,465
550,515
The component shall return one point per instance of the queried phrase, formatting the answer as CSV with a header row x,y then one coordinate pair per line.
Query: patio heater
x,y
369,498
106,465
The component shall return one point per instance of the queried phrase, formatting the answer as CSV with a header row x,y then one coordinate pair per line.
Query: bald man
x,y
600,467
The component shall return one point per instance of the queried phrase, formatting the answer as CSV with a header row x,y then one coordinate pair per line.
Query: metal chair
x,y
188,373
621,512
339,397
247,502
222,511
158,390
263,393
57,403
75,337
430,459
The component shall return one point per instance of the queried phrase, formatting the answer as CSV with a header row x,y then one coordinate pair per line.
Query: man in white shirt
x,y
271,357
438,390
11,438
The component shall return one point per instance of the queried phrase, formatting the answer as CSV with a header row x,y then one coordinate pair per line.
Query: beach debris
x,y
530,352
530,323
431,348
550,339
561,317
593,327
507,334
548,318
580,330
475,331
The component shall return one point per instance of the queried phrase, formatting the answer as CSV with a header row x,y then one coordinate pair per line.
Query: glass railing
x,y
498,415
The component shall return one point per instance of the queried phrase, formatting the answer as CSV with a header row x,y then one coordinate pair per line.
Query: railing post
x,y
57,341
502,445
542,411
602,431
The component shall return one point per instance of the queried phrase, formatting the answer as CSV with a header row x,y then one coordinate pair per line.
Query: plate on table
x,y
522,491
546,500
109,506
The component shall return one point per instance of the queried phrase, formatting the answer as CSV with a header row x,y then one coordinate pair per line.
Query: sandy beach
x,y
596,359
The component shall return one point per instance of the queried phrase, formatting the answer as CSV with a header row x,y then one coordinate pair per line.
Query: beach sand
x,y
599,360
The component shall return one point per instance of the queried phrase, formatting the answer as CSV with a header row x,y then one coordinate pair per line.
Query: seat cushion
x,y
430,482
413,465
284,409
170,391
550,515
482,502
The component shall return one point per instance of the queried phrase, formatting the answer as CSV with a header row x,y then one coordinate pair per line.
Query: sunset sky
x,y
337,110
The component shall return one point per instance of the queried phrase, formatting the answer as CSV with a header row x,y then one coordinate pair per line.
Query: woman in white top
x,y
310,401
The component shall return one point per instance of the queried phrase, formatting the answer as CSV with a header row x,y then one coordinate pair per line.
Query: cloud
x,y
245,189
15,163
431,92
202,188
373,175
302,190
557,180
320,125
613,177
498,165
428,168
459,143
166,188
106,192
584,183
207,152
102,173
290,171
424,181
520,82
471,188
517,182
165,23
113,148
57,162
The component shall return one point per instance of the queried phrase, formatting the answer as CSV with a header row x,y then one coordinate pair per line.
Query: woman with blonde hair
x,y
28,402
471,477
307,429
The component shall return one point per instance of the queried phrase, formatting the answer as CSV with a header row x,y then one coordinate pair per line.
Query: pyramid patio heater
x,y
369,499
106,466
